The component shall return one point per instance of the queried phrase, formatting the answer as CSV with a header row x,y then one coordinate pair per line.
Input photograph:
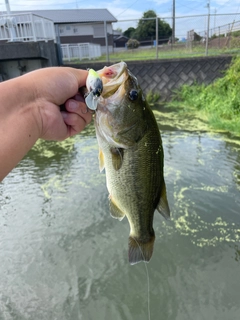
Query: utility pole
x,y
106,40
12,31
173,22
8,7
156,37
208,24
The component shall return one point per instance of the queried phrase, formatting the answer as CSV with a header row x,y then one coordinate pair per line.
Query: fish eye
x,y
133,95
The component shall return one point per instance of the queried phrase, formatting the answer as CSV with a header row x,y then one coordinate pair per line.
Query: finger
x,y
81,76
75,122
75,104
79,107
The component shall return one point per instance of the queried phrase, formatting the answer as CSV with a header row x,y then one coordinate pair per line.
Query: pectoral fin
x,y
101,160
163,207
117,157
114,210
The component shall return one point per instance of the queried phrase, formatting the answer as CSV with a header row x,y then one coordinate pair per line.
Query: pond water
x,y
63,257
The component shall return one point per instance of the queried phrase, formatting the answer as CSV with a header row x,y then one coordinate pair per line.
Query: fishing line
x,y
148,282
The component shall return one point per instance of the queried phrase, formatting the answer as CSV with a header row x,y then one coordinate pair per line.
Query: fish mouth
x,y
113,77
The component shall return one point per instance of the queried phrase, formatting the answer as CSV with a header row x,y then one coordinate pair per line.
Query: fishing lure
x,y
95,87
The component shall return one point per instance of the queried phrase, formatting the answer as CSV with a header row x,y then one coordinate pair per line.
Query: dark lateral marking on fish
x,y
117,157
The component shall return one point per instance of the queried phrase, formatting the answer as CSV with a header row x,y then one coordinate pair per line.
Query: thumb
x,y
81,76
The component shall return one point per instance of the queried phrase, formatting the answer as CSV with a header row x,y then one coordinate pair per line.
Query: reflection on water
x,y
63,256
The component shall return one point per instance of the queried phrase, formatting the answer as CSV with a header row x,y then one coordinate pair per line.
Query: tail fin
x,y
140,251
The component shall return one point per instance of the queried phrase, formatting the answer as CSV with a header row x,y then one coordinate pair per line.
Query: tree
x,y
129,32
146,29
119,30
132,44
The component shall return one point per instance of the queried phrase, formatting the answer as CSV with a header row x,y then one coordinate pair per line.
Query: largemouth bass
x,y
130,150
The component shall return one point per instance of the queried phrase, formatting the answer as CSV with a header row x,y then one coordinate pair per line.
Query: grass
x,y
146,54
218,103
164,52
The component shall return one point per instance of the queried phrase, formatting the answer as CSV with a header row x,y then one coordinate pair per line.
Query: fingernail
x,y
73,105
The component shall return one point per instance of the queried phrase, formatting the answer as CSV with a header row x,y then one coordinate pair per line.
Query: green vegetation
x,y
152,97
176,51
146,29
132,44
179,51
129,32
218,103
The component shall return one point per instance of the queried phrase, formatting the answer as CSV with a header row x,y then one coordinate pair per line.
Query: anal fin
x,y
114,210
163,207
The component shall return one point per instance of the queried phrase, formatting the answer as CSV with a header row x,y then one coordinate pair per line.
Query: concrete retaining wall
x,y
17,58
163,76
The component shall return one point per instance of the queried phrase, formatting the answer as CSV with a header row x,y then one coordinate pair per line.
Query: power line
x,y
127,8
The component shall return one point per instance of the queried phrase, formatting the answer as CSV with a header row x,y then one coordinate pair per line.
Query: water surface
x,y
63,257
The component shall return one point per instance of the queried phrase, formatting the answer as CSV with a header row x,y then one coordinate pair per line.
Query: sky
x,y
134,9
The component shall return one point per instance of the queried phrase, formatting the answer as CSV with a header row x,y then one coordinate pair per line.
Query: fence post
x,y
106,40
208,23
58,43
156,37
33,28
44,30
219,37
68,53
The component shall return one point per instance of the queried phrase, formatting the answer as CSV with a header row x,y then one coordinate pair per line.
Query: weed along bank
x,y
216,103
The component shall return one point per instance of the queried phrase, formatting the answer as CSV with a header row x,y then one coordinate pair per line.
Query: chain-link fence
x,y
199,35
194,35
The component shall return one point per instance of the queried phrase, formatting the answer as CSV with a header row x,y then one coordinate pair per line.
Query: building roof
x,y
121,38
73,15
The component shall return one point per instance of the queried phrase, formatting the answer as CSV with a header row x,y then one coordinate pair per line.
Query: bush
x,y
132,44
235,42
152,97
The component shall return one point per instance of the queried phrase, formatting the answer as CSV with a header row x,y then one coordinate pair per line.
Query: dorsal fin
x,y
163,207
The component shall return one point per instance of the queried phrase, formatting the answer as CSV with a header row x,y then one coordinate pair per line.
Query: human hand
x,y
53,87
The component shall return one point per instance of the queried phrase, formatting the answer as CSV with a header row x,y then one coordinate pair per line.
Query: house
x,y
120,42
80,25
119,39
28,38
